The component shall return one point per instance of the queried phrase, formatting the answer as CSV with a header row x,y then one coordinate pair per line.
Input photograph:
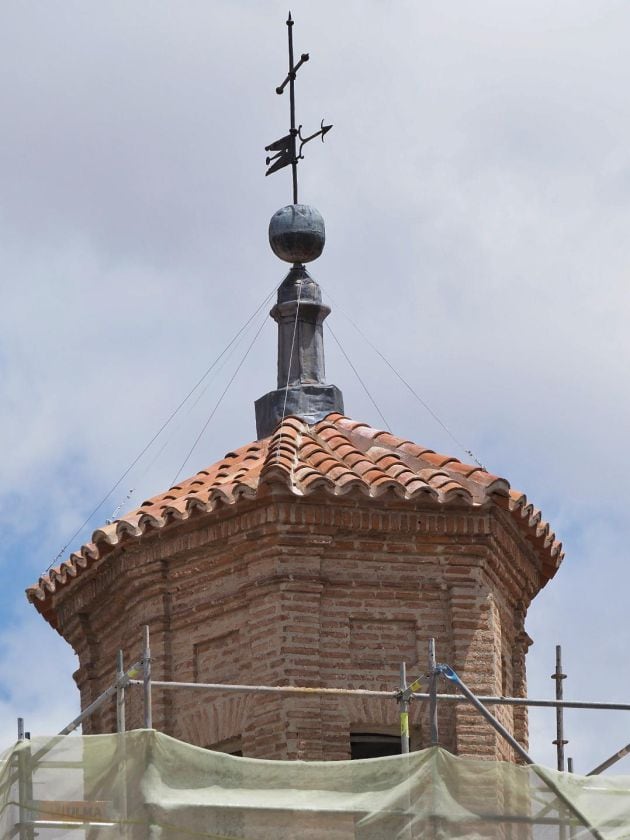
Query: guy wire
x,y
174,429
406,384
160,430
220,400
356,373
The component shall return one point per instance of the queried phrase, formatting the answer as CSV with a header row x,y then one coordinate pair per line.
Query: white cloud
x,y
476,195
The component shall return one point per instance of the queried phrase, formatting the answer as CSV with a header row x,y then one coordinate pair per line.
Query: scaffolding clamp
x,y
406,695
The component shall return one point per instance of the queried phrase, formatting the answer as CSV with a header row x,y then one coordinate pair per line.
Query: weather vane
x,y
286,148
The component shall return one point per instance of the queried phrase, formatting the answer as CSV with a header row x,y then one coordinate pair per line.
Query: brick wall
x,y
315,591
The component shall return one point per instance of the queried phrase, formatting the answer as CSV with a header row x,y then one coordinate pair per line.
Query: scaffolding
x,y
563,811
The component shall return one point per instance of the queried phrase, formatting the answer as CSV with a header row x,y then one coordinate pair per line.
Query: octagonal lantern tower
x,y
323,553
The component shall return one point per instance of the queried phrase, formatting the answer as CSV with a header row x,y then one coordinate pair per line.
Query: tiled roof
x,y
337,455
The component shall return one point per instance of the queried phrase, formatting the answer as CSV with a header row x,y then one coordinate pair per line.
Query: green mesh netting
x,y
146,785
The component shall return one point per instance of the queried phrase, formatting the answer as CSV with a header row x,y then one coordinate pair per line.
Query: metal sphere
x,y
297,233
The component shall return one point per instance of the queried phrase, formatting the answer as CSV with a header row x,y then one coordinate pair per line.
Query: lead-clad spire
x,y
297,235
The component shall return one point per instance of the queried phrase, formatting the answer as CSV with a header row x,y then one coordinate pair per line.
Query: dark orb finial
x,y
297,233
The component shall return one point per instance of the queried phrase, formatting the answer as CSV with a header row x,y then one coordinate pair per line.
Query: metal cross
x,y
286,148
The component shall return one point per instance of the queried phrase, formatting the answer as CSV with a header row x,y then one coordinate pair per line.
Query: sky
x,y
476,193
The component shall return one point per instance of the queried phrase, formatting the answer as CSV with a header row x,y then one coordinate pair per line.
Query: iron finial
x,y
286,148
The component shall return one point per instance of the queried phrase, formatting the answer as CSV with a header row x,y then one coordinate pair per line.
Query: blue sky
x,y
476,192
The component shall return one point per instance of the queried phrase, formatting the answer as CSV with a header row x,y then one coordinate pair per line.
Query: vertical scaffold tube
x,y
26,830
120,693
146,668
404,711
433,716
559,741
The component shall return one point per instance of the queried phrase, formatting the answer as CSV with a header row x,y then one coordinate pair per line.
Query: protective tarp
x,y
146,785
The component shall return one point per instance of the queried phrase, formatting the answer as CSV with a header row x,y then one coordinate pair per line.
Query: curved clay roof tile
x,y
338,456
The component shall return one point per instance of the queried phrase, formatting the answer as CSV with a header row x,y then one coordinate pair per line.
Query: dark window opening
x,y
231,747
373,745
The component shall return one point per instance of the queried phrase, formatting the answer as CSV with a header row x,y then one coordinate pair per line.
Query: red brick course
x,y
314,590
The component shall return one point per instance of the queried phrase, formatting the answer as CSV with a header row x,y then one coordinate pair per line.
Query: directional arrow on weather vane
x,y
286,151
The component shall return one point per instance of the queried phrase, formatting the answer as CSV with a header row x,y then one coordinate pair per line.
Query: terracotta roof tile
x,y
337,455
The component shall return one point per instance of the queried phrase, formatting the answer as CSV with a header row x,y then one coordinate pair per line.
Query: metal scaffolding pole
x,y
610,761
403,704
25,781
122,744
404,697
36,758
146,679
496,700
558,676
487,700
570,770
447,672
433,699
96,704
559,741
450,675
272,689
120,693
